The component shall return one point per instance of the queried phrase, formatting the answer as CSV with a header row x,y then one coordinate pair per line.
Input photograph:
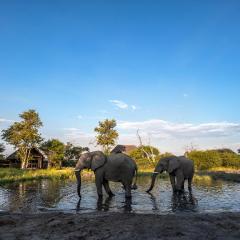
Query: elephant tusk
x,y
77,170
155,172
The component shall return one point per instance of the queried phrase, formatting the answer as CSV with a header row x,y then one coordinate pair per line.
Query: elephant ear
x,y
98,160
173,164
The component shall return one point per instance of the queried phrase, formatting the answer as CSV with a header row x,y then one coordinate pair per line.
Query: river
x,y
55,195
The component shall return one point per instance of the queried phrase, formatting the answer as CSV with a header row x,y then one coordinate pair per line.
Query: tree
x,y
24,135
2,149
73,152
145,155
238,151
148,151
55,150
106,134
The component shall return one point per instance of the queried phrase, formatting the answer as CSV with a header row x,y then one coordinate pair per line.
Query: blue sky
x,y
168,68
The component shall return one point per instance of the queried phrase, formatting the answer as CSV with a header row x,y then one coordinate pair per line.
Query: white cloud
x,y
119,104
80,117
133,107
77,136
103,111
161,128
123,105
167,136
185,95
4,120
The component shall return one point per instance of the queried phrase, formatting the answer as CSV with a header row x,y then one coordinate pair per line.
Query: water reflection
x,y
153,201
48,195
184,202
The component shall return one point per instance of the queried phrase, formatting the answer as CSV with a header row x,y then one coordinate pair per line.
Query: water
x,y
47,195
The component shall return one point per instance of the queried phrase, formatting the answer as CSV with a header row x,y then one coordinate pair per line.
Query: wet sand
x,y
106,225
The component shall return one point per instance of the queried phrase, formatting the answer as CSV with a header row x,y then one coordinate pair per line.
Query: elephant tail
x,y
134,186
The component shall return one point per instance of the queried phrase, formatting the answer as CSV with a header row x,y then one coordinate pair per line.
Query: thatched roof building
x,y
123,148
37,160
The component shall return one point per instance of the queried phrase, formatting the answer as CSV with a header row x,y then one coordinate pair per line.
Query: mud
x,y
106,225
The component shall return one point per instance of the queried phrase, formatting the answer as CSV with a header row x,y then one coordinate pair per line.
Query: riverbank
x,y
105,225
9,175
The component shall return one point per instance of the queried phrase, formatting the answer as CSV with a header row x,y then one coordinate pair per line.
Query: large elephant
x,y
115,167
179,169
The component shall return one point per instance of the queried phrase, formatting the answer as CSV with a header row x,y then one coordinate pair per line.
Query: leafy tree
x,y
73,152
2,149
55,150
204,160
106,134
145,155
24,135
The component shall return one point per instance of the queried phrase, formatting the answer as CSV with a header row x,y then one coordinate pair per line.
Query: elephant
x,y
117,167
179,169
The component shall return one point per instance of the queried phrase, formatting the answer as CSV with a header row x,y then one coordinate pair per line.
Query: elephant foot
x,y
134,187
149,190
110,194
100,196
128,196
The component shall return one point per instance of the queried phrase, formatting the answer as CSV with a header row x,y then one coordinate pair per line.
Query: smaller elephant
x,y
179,169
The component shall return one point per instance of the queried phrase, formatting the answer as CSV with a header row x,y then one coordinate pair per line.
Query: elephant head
x,y
88,160
168,164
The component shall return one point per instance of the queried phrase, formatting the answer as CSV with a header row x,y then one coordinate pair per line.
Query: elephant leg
x,y
180,180
128,190
182,188
107,188
99,183
190,185
172,180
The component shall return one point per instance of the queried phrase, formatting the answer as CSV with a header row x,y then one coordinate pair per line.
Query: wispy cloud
x,y
4,120
158,128
76,135
133,107
119,104
80,117
185,95
122,105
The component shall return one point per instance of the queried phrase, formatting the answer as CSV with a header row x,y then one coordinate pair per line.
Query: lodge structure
x,y
38,160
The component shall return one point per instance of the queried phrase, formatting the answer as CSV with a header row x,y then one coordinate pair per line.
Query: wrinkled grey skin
x,y
179,169
115,167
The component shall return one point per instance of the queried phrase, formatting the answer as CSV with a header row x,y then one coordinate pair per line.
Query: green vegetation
x,y
55,150
205,160
2,149
24,135
147,157
73,152
8,175
106,134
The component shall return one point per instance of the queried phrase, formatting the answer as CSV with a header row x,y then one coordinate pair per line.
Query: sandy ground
x,y
105,225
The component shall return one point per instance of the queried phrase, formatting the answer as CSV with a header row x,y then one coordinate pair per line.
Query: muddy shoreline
x,y
106,225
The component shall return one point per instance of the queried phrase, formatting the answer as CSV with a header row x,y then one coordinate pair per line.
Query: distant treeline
x,y
147,157
208,159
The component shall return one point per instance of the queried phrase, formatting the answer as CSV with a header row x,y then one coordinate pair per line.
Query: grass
x,y
225,169
8,175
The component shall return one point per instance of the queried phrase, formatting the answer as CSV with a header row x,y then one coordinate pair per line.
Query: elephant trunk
x,y
154,175
78,176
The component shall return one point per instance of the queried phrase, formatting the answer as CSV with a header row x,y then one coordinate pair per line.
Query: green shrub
x,y
208,159
230,160
204,160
